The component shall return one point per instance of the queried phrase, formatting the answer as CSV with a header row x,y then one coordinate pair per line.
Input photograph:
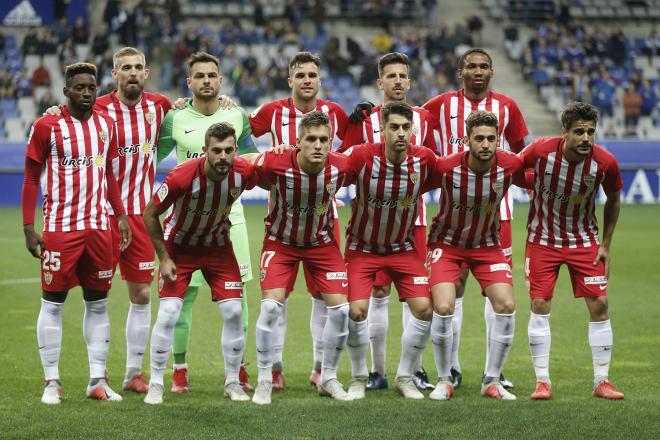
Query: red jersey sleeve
x,y
260,119
437,170
170,190
263,167
429,140
516,129
356,157
353,135
165,104
342,121
528,155
612,181
38,145
248,172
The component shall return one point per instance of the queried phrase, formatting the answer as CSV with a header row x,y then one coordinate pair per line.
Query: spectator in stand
x,y
49,42
163,56
382,42
6,84
292,13
80,31
563,14
651,44
67,53
31,43
100,43
581,90
46,101
540,76
41,76
475,25
248,90
249,62
62,29
23,84
632,108
617,46
649,97
512,42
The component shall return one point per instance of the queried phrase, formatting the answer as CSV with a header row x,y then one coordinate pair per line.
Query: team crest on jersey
x,y
98,161
235,192
497,186
48,278
162,191
331,188
414,177
589,180
146,148
103,135
263,274
150,117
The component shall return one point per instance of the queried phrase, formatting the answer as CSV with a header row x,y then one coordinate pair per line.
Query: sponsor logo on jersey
x,y
420,281
146,265
405,202
103,135
82,162
319,209
203,212
233,285
163,191
48,278
335,276
500,266
103,274
595,280
486,208
458,142
192,155
150,117
145,148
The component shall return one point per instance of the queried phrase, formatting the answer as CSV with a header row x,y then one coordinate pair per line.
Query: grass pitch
x,y
299,412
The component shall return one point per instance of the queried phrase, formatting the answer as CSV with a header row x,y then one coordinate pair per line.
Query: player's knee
x,y
232,310
270,310
380,291
139,293
443,309
540,306
357,312
168,312
423,313
505,307
598,308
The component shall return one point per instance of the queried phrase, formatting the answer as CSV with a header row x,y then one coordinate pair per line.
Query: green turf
x,y
299,412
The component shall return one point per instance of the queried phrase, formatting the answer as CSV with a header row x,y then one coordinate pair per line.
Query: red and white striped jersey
x,y
562,212
468,200
137,132
200,206
74,155
387,198
452,109
299,212
281,118
368,131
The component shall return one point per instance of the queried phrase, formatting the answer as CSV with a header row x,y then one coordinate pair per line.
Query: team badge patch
x,y
48,278
497,186
331,188
162,191
589,180
98,161
414,177
146,148
150,117
235,192
263,275
103,135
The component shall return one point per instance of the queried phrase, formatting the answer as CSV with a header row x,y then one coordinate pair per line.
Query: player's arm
x,y
166,142
610,216
245,142
516,132
114,195
152,223
33,241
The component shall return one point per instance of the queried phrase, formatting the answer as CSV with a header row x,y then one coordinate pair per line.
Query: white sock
x,y
137,335
378,321
265,333
334,340
233,338
489,318
280,335
456,324
317,320
414,339
357,346
162,335
405,317
442,336
501,337
96,330
538,332
49,337
600,340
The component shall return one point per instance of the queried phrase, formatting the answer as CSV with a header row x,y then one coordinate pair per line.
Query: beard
x,y
133,92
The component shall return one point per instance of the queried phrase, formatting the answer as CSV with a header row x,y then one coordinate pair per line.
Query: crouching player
x,y
196,237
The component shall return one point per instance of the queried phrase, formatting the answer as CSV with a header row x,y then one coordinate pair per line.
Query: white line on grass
x,y
20,281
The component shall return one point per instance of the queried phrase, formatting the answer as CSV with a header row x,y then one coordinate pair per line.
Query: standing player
x,y
379,236
475,69
184,131
300,228
394,81
281,119
466,232
201,193
72,154
562,229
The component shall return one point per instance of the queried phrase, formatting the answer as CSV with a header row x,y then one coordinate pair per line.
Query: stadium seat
x,y
15,130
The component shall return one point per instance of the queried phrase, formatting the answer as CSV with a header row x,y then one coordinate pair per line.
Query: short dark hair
x,y
201,57
396,108
578,111
469,52
392,58
314,119
303,58
219,131
78,68
479,119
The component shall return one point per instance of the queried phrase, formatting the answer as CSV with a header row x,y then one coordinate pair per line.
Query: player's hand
x,y
125,232
279,149
167,270
180,103
33,241
361,112
53,110
604,256
226,102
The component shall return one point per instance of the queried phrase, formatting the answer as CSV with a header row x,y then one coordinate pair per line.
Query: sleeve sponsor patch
x,y
163,191
335,276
